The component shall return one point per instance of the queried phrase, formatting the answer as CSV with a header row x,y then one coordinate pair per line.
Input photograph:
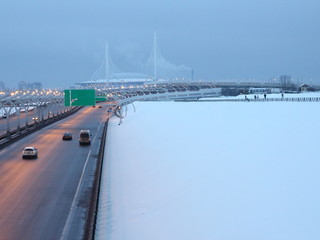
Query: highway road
x,y
47,198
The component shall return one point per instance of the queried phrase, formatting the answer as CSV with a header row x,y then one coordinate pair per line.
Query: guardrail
x,y
166,96
16,134
93,208
299,99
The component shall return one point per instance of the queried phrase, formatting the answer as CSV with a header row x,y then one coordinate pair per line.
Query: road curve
x,y
37,195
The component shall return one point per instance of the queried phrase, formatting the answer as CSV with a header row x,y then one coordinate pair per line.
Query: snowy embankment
x,y
223,170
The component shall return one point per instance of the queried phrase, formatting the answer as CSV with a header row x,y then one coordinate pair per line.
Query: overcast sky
x,y
62,42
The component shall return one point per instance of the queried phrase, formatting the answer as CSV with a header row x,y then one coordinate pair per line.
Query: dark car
x,y
67,136
35,119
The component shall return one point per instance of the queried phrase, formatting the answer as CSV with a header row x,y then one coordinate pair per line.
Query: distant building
x,y
306,88
36,85
2,86
22,85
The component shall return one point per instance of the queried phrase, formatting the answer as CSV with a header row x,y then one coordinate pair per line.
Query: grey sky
x,y
62,42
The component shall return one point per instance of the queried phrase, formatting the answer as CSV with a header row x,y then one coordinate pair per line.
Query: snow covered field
x,y
213,170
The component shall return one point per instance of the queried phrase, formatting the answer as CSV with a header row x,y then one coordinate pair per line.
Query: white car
x,y
30,152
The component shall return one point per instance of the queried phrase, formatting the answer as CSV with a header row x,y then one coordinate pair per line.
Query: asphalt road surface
x,y
47,198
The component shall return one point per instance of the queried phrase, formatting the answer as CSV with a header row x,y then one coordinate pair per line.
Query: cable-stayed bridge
x,y
159,68
156,67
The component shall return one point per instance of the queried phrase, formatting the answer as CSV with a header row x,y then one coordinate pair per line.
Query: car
x,y
67,136
100,106
84,137
30,152
35,119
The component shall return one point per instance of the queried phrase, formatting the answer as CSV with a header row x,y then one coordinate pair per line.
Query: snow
x,y
212,170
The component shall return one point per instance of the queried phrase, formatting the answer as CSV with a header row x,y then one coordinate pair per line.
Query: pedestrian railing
x,y
293,99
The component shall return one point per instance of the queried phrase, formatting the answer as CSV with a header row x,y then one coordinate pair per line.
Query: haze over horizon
x,y
59,43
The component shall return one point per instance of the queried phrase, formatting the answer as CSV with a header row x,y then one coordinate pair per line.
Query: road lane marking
x,y
67,225
96,133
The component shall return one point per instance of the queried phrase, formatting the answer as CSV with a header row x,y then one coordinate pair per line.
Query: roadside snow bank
x,y
212,171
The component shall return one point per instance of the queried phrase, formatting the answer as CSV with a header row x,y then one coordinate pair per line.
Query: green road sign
x,y
101,99
79,97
